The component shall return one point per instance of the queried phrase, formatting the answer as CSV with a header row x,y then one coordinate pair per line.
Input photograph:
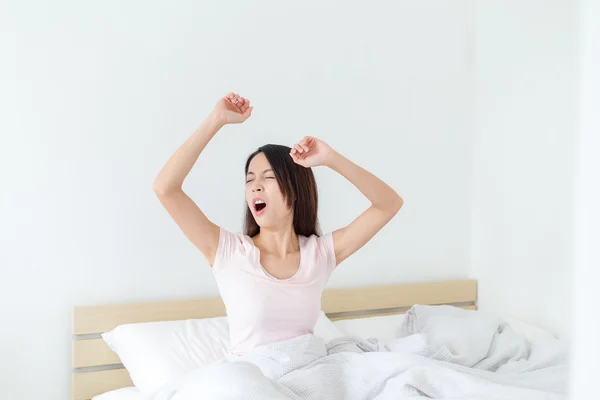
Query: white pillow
x,y
127,393
385,328
155,353
326,329
532,333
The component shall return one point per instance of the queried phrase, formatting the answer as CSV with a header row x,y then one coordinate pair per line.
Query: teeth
x,y
259,202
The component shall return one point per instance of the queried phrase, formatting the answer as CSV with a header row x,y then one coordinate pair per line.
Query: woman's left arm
x,y
385,202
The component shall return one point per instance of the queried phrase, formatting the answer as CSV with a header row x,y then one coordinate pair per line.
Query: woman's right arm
x,y
231,109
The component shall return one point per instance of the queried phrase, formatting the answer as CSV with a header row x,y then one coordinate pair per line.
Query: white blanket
x,y
442,353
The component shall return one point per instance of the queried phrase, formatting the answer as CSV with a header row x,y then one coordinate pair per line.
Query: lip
x,y
254,200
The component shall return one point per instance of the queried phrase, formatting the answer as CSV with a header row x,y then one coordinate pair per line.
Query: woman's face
x,y
263,195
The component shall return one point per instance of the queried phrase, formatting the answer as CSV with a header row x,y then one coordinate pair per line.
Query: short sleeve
x,y
226,248
326,250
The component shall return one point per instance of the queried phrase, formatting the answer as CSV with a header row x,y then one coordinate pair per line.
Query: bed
x,y
385,342
97,369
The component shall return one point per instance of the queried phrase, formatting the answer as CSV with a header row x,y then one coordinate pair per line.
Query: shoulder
x,y
319,247
231,244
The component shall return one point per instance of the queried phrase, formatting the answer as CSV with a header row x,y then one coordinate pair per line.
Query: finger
x,y
295,158
298,148
304,145
309,142
293,151
246,105
248,112
241,102
235,99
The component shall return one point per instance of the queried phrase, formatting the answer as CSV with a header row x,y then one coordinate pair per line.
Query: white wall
x,y
95,97
524,132
585,344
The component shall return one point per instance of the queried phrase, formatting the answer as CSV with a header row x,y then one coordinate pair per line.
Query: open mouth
x,y
259,206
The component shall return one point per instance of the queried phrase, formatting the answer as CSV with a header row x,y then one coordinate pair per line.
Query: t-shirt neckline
x,y
291,278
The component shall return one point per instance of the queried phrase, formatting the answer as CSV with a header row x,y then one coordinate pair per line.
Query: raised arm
x,y
385,202
231,109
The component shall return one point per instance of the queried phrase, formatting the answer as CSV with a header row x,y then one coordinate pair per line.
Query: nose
x,y
257,187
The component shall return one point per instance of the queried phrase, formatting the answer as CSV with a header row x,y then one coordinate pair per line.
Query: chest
x,y
280,267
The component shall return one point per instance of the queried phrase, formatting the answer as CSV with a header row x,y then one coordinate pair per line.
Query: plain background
x,y
468,109
585,343
524,116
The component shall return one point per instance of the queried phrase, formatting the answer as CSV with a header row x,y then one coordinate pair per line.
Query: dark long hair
x,y
298,186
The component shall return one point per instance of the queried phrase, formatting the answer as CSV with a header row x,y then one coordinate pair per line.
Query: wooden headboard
x,y
97,369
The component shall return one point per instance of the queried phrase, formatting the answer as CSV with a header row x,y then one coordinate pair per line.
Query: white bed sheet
x,y
128,393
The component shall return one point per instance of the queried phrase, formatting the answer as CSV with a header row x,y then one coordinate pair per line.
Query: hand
x,y
232,109
311,152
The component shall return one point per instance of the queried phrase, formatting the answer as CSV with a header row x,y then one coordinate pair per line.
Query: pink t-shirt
x,y
262,309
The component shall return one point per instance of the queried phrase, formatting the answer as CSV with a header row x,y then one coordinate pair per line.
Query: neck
x,y
280,241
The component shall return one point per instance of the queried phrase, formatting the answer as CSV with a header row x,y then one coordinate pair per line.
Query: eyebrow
x,y
264,171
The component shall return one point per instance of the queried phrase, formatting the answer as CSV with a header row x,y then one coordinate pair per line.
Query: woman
x,y
271,277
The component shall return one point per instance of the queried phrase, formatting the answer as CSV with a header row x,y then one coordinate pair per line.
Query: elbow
x,y
161,189
396,204
391,205
158,188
